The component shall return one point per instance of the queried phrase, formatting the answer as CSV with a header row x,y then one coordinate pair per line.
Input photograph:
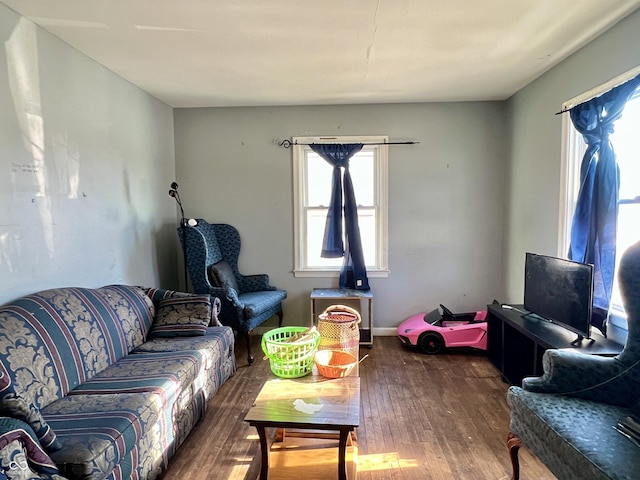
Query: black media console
x,y
515,343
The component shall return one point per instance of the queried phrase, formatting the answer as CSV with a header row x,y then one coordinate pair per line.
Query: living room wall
x,y
445,196
533,178
86,160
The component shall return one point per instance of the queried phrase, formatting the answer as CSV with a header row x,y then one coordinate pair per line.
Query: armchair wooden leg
x,y
247,336
514,444
280,316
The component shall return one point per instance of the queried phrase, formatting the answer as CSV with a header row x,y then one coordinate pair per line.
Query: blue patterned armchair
x,y
211,253
567,416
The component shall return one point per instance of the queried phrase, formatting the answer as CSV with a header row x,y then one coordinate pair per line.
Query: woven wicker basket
x,y
339,329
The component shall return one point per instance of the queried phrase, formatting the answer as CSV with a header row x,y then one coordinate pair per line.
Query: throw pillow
x,y
18,463
16,406
221,276
182,317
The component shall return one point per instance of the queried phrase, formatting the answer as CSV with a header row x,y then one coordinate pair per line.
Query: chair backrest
x,y
206,245
629,281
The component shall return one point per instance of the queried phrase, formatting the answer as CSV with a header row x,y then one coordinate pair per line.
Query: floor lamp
x,y
173,192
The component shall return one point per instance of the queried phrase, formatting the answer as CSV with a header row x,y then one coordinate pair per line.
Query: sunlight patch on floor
x,y
239,472
383,461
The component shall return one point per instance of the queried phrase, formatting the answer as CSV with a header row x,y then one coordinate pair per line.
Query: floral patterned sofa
x,y
111,380
567,417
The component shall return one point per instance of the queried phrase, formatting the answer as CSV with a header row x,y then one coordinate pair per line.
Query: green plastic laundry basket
x,y
290,350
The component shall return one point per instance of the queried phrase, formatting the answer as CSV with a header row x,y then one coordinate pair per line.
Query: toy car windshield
x,y
433,317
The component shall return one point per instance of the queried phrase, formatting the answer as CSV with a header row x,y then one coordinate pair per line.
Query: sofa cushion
x,y
221,275
98,431
164,373
178,378
575,438
182,316
256,303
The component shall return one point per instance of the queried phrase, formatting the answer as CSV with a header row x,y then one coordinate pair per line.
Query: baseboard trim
x,y
377,332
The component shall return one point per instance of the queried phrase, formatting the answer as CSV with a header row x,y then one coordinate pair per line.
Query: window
x,y
312,190
627,147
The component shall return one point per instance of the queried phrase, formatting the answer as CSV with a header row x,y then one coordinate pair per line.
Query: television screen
x,y
560,291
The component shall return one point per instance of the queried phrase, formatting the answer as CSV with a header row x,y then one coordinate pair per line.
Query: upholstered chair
x,y
567,416
211,254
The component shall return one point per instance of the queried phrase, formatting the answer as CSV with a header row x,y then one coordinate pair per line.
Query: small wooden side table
x,y
360,300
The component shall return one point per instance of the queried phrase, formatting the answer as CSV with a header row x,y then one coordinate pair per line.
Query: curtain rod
x,y
289,143
599,90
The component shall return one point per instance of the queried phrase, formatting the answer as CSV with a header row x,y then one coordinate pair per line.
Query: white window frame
x,y
573,149
381,158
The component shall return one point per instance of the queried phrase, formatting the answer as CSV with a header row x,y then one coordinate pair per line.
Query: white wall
x,y
533,178
446,196
86,160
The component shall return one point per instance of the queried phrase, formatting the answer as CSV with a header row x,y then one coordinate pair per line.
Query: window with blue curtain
x,y
354,273
312,188
594,226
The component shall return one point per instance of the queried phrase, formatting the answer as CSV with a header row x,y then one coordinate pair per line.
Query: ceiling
x,y
201,53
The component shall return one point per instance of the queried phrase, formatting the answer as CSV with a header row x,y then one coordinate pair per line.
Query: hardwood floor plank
x,y
423,417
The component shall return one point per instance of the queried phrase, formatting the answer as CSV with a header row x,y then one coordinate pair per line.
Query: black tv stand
x,y
516,342
535,316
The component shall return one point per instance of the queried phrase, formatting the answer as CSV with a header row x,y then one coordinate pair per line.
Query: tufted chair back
x,y
629,280
203,250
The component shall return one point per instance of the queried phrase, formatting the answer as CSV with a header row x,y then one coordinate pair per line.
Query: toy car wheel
x,y
430,343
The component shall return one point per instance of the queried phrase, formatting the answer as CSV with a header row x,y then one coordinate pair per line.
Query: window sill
x,y
617,326
336,273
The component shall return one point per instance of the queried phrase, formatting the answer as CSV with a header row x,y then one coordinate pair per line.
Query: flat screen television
x,y
560,291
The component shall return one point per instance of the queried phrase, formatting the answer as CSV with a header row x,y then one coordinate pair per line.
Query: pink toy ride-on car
x,y
433,331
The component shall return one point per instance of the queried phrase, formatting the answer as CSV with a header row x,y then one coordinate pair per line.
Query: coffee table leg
x,y
342,455
264,451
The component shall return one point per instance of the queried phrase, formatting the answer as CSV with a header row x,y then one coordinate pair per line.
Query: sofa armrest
x,y
591,377
231,296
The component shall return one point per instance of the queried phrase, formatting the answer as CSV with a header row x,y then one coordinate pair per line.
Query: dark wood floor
x,y
422,417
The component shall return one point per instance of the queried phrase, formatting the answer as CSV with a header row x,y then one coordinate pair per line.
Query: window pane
x,y
316,219
367,222
628,234
361,166
625,143
362,175
319,180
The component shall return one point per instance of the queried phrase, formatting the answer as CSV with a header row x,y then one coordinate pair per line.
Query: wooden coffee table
x,y
311,403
